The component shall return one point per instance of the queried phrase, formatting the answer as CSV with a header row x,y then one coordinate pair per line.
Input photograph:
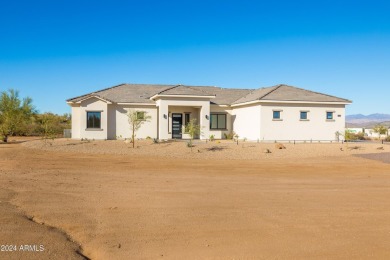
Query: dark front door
x,y
177,122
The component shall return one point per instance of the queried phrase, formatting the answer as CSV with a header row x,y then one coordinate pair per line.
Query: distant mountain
x,y
368,121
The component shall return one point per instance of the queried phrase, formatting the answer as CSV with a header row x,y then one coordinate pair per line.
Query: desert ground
x,y
220,200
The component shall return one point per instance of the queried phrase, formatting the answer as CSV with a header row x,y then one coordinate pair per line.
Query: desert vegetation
x,y
19,117
136,120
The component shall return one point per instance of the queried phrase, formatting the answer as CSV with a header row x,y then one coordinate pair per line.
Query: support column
x,y
205,121
162,120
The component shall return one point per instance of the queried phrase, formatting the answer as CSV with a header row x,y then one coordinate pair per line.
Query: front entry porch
x,y
174,115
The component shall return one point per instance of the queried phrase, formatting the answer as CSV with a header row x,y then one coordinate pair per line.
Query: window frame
x,y
186,121
217,116
143,115
307,115
100,120
280,115
332,113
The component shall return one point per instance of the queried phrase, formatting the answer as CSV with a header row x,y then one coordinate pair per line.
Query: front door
x,y
177,122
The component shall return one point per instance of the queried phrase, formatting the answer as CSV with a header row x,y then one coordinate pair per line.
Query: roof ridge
x,y
200,90
319,93
253,90
95,92
272,90
175,86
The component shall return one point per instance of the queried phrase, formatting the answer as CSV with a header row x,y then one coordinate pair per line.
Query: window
x,y
276,114
93,119
304,115
218,121
186,118
329,115
140,115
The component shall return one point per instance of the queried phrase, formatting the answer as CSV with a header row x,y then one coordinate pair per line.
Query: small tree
x,y
136,119
192,128
14,112
381,130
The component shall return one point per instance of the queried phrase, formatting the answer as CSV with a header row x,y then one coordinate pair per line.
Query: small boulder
x,y
280,146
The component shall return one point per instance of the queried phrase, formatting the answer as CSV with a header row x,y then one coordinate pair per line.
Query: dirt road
x,y
129,207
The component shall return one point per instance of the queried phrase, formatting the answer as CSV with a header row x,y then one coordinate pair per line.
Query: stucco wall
x,y
246,122
290,127
89,105
76,124
122,126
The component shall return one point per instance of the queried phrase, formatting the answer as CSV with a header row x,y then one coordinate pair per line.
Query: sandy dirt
x,y
134,206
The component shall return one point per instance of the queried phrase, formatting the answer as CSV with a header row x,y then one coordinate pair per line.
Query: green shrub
x,y
349,136
229,136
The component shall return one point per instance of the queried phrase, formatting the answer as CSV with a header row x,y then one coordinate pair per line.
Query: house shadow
x,y
216,148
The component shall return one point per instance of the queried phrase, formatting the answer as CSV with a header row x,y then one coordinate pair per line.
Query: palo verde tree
x,y
380,130
14,112
136,119
193,129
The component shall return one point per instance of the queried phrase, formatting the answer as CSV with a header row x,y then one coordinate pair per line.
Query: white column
x,y
162,120
205,120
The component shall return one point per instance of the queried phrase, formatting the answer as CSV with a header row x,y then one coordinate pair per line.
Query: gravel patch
x,y
223,149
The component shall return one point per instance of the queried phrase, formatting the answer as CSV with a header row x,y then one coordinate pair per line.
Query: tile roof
x,y
141,93
186,90
288,93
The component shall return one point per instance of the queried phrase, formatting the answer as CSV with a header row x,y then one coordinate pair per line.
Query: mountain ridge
x,y
367,121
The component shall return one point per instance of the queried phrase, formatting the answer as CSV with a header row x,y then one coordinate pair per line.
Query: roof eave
x,y
346,102
94,96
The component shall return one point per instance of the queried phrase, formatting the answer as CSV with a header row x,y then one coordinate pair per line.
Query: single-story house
x,y
279,112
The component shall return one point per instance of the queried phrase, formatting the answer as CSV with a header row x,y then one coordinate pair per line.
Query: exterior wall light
x,y
207,117
165,116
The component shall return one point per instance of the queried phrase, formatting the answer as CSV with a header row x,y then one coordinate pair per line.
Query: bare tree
x,y
136,119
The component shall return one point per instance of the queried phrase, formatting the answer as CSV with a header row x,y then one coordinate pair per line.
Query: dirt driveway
x,y
132,207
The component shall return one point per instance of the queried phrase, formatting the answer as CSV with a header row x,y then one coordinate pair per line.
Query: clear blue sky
x,y
54,50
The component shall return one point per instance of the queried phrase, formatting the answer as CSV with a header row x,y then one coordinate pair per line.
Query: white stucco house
x,y
280,112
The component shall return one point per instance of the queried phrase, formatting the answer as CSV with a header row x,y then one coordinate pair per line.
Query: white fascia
x,y
290,102
136,104
101,99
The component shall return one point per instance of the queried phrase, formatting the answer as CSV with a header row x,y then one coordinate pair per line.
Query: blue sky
x,y
54,50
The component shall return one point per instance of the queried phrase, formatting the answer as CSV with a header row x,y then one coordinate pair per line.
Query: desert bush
x,y
387,139
15,113
48,125
349,136
190,144
212,137
229,136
